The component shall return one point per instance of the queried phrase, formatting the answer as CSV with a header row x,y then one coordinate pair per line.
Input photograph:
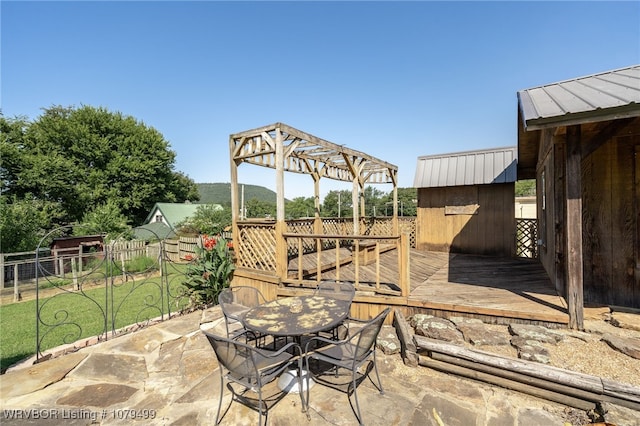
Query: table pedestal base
x,y
288,381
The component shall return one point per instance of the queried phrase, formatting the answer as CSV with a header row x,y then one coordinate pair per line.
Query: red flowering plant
x,y
210,271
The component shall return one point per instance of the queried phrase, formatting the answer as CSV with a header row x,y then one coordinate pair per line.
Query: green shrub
x,y
210,272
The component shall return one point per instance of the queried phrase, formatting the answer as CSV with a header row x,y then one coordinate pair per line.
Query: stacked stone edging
x,y
555,384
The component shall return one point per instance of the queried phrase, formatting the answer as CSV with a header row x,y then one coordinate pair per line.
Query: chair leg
x,y
220,402
375,367
308,390
260,406
355,395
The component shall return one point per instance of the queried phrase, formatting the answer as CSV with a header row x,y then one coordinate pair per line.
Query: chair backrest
x,y
336,289
236,301
241,295
236,357
367,335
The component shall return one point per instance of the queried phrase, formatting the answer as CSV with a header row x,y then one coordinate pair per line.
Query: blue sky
x,y
396,80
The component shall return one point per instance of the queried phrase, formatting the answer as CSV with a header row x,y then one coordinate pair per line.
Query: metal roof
x,y
598,97
174,213
497,165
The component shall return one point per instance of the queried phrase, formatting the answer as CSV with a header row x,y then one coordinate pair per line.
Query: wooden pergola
x,y
285,149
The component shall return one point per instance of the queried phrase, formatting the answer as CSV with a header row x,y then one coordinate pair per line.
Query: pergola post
x,y
355,208
234,191
281,226
317,221
394,222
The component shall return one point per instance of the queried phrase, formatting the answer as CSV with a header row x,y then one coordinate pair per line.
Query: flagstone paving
x,y
167,374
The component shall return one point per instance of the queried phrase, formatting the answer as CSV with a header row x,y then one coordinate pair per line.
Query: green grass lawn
x,y
132,302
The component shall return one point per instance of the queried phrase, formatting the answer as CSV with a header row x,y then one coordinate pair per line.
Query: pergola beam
x,y
285,149
257,146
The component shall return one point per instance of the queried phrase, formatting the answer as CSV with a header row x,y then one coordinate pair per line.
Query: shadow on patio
x,y
166,374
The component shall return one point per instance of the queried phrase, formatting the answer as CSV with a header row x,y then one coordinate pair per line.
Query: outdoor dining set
x,y
293,340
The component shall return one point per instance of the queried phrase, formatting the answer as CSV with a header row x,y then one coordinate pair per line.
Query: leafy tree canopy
x,y
208,219
24,222
525,187
300,207
104,219
85,157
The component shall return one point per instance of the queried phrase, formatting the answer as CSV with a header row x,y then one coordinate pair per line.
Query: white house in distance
x,y
526,207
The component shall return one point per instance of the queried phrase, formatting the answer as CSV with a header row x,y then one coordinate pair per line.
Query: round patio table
x,y
296,316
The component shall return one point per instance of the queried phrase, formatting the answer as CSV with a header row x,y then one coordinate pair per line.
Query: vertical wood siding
x,y
610,216
445,219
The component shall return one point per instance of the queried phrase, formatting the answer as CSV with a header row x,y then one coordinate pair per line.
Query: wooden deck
x,y
497,290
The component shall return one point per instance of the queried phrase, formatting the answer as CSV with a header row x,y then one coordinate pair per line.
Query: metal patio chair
x,y
252,368
235,302
342,291
350,354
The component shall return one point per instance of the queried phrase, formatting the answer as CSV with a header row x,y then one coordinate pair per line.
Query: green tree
x,y
373,204
260,209
407,202
525,187
12,132
337,204
300,207
104,219
23,223
209,219
83,157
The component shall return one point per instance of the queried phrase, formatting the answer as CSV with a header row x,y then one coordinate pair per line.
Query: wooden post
x,y
559,214
394,221
403,264
317,220
234,195
355,206
573,184
16,291
281,226
1,270
74,273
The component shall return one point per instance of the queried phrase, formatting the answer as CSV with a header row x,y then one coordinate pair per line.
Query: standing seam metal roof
x,y
497,165
607,95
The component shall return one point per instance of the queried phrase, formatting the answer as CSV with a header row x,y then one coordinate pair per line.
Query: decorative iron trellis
x,y
103,292
527,238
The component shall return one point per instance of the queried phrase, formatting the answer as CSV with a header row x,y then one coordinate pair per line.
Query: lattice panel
x,y
304,226
376,226
408,224
527,238
337,226
256,248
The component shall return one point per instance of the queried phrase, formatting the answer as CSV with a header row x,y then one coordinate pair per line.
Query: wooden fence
x,y
18,270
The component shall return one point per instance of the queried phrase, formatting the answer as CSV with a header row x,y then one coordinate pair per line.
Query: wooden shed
x,y
580,140
466,202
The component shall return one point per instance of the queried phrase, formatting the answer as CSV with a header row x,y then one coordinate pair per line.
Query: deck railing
x,y
256,248
358,250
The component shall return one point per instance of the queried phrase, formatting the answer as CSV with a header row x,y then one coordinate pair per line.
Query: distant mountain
x,y
220,193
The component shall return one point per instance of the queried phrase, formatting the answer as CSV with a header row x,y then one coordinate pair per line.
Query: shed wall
x,y
610,217
476,219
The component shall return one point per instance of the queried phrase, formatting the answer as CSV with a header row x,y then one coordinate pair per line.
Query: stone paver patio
x,y
166,374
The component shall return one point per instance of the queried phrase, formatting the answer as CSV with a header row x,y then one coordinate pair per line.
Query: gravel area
x,y
584,352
